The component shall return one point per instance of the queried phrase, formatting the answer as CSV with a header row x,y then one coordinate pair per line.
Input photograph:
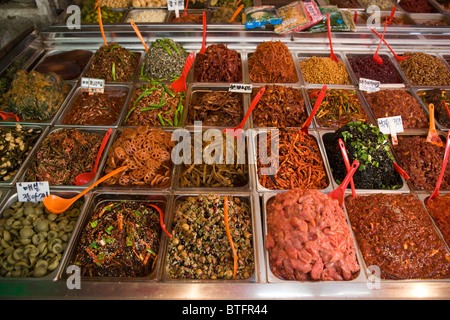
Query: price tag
x,y
173,5
369,85
391,125
241,88
32,191
92,85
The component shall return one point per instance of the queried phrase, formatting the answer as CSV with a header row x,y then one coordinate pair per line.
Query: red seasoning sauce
x,y
395,233
439,209
100,109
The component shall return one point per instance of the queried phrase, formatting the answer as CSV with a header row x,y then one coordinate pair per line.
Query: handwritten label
x,y
173,5
92,85
390,124
369,85
32,191
241,88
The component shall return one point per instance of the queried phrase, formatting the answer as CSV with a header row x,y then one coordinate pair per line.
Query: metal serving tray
x,y
403,188
360,277
348,89
101,168
304,56
423,197
131,15
130,101
140,56
50,53
250,53
424,134
198,89
416,91
111,90
178,167
382,85
161,199
11,182
50,121
410,91
293,86
53,275
248,198
315,135
367,268
99,131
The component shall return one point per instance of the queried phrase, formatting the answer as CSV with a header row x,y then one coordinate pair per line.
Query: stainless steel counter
x,y
59,38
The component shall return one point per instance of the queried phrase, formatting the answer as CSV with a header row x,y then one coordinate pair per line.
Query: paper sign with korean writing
x,y
369,85
173,5
92,85
32,191
390,124
241,88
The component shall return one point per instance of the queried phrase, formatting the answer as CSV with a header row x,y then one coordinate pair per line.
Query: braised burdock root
x,y
308,238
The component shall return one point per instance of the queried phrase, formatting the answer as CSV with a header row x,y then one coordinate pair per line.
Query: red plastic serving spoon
x,y
332,55
397,57
444,165
315,108
179,85
6,115
347,164
447,109
237,131
376,57
86,177
203,49
339,192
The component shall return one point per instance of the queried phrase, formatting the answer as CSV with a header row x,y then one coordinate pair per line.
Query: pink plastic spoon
x,y
444,165
347,164
339,192
179,85
314,110
87,177
332,55
237,131
397,57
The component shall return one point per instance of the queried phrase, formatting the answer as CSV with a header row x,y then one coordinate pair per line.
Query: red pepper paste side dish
x,y
422,161
390,103
100,109
395,233
308,238
439,209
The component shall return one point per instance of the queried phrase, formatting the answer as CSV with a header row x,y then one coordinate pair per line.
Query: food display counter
x,y
257,280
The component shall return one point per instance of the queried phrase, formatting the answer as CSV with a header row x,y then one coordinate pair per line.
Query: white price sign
x,y
92,85
391,125
173,5
32,191
241,88
369,85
